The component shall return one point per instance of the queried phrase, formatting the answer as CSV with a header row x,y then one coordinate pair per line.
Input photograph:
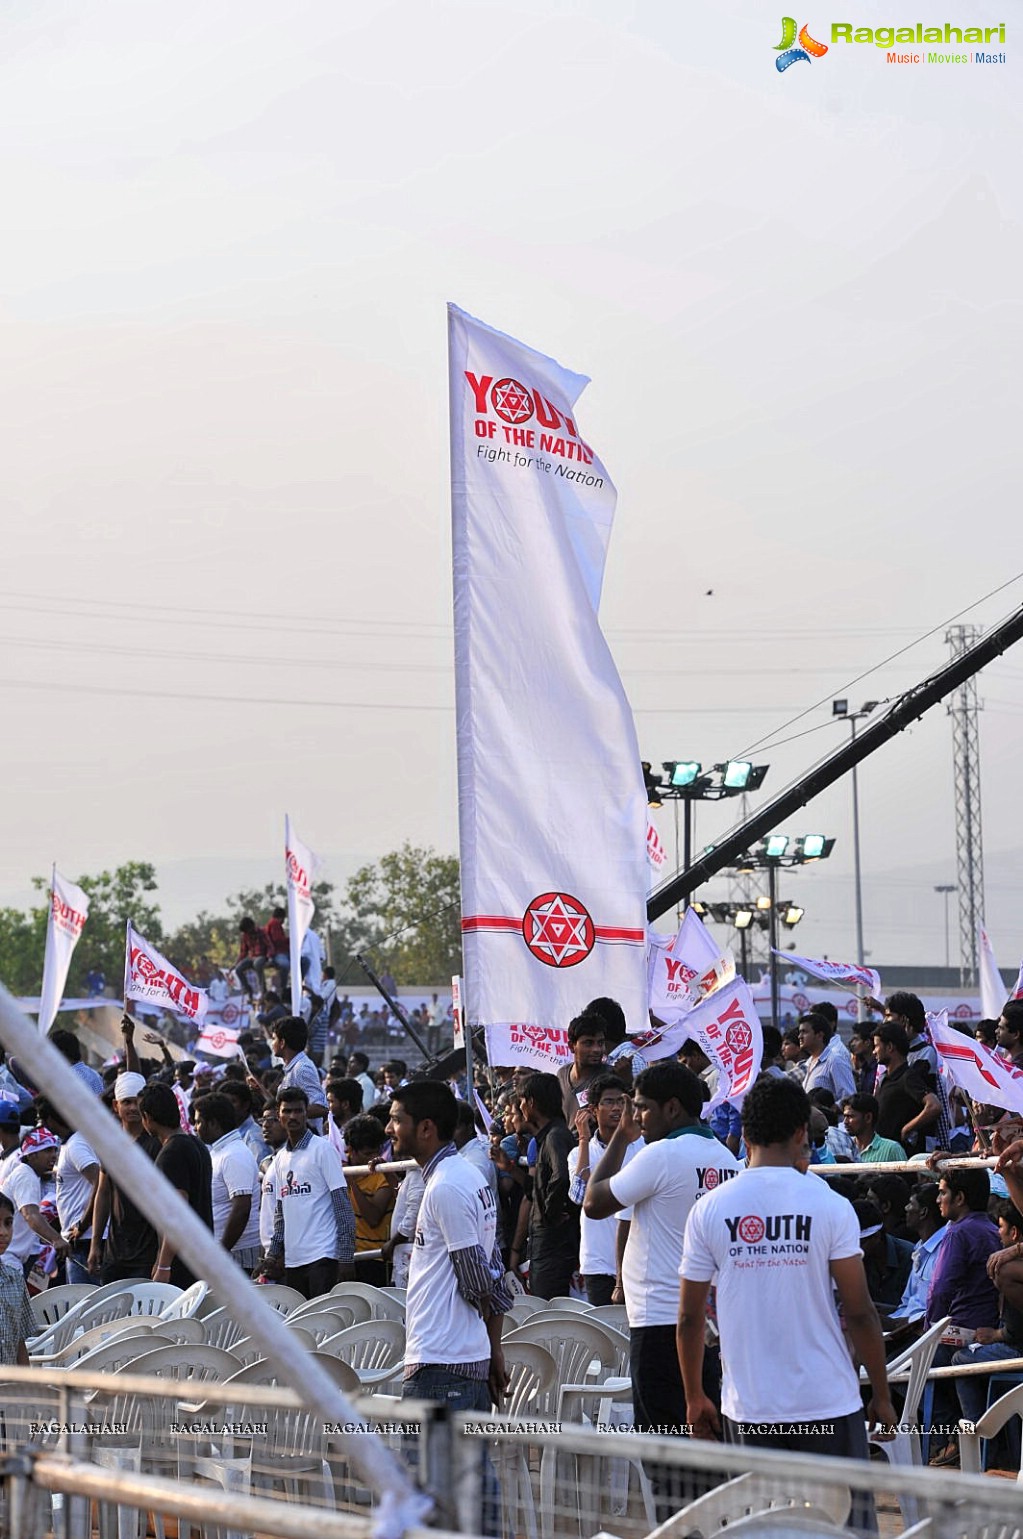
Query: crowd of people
x,y
588,1180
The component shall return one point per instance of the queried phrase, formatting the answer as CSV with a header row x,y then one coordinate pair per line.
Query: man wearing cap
x,y
129,1249
22,1183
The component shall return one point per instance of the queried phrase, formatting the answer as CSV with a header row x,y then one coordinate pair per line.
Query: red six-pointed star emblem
x,y
738,1037
558,930
751,1229
512,402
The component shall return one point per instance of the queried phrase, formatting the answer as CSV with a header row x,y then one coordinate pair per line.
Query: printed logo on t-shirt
x,y
776,1234
712,1176
293,1188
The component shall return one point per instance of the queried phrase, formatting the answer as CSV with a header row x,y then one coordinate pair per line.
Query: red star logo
x,y
738,1037
512,402
558,930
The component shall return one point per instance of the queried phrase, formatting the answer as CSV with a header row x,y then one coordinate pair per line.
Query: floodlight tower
x,y
964,710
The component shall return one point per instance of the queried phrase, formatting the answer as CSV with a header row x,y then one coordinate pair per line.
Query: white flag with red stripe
x,y
69,908
852,974
149,977
552,807
983,1075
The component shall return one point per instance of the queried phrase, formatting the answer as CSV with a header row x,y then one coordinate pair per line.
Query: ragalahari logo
x,y
786,50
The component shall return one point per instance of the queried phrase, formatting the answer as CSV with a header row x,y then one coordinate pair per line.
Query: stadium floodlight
x,y
814,847
775,846
792,915
736,774
682,772
653,786
743,918
763,902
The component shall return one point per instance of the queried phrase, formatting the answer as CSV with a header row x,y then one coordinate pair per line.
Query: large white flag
x,y
993,992
1017,992
552,808
534,1047
301,866
69,908
149,977
218,1041
975,1068
850,973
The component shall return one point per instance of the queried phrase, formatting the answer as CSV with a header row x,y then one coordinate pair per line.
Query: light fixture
x,y
699,908
792,915
775,846
839,707
653,786
736,774
682,772
743,918
763,902
813,847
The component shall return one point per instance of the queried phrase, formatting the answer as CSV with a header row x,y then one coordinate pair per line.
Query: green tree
x,y
22,941
404,912
216,935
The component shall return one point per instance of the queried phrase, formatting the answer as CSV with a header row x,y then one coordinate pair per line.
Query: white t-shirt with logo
x,y
235,1174
267,1205
458,1211
660,1185
24,1188
767,1240
304,1179
598,1237
74,1191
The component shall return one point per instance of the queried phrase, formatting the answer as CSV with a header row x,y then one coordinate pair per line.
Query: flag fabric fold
x,y
301,866
69,909
993,992
552,808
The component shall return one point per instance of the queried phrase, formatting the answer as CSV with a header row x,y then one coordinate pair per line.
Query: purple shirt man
x,y
960,1286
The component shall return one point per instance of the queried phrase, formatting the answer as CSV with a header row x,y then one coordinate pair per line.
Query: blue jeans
x,y
460,1394
973,1391
75,1267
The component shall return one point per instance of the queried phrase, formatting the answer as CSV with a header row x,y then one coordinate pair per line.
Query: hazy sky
x,y
229,236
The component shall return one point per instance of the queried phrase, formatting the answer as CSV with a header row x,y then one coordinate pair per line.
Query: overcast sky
x,y
229,237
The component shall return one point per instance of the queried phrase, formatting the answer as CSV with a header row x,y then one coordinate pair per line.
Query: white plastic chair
x,y
80,1317
904,1448
568,1301
532,1380
749,1495
589,1478
80,1345
615,1315
991,1423
575,1344
54,1303
320,1325
382,1306
187,1303
248,1350
374,1348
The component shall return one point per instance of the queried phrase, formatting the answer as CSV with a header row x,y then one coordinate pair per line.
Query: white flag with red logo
x,y
727,1027
686,971
512,1046
69,908
301,865
552,807
219,1041
149,977
656,854
849,973
993,992
983,1075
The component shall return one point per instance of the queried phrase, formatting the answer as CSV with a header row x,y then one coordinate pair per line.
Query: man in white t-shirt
x,y
22,1183
456,1294
235,1187
682,1161
75,1176
778,1244
314,1225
